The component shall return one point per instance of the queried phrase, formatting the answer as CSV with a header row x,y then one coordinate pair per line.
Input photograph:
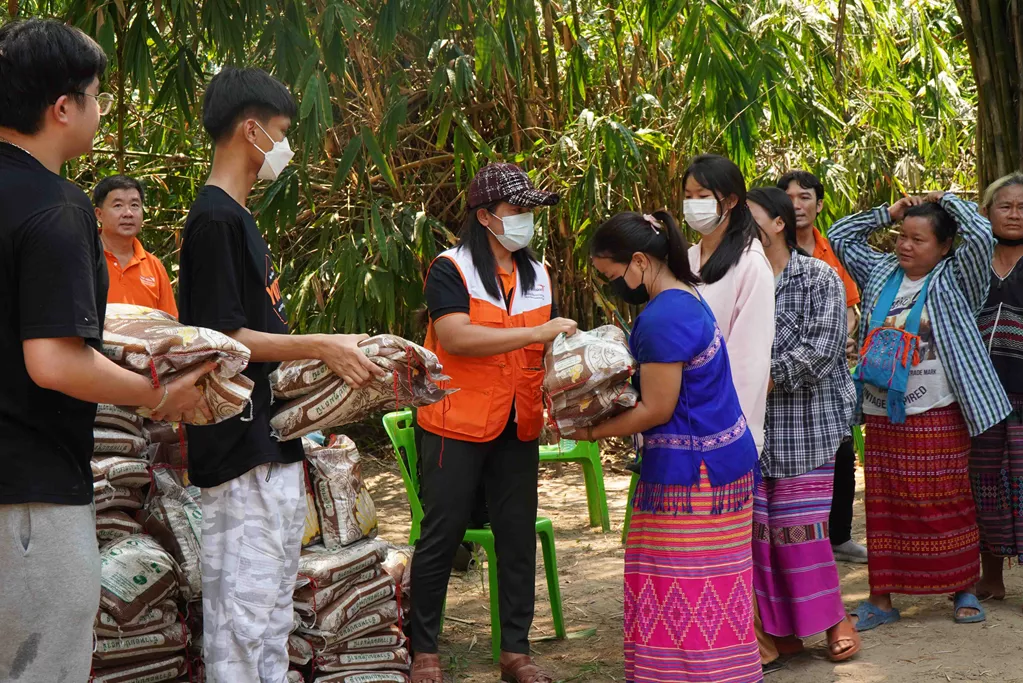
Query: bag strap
x,y
887,298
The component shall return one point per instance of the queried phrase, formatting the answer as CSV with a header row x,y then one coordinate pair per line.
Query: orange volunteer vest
x,y
488,387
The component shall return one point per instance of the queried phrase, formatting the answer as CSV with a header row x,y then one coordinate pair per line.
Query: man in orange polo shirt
x,y
807,195
136,276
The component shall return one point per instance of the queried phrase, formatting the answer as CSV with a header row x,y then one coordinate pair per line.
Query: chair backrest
x,y
401,430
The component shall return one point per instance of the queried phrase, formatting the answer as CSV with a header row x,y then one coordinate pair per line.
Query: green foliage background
x,y
602,101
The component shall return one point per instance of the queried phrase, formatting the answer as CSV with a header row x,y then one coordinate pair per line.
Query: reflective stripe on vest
x,y
488,386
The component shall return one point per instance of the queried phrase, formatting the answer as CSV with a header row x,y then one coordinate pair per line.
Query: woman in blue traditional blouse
x,y
688,562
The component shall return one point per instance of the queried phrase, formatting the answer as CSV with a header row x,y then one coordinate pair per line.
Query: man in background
x,y
136,276
807,195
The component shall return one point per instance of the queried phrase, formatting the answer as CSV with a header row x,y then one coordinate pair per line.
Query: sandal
x,y
968,601
843,632
426,669
789,645
523,670
869,616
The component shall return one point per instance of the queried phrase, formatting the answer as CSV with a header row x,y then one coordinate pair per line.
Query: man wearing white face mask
x,y
253,495
491,311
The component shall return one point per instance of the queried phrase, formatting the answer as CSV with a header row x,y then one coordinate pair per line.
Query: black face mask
x,y
1009,242
634,296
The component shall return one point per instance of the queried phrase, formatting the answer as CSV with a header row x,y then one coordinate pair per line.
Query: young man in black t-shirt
x,y
253,495
54,279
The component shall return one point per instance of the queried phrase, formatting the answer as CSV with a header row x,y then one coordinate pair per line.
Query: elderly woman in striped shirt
x,y
809,409
927,385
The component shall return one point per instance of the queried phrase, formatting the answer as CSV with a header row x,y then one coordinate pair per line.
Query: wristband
x,y
166,394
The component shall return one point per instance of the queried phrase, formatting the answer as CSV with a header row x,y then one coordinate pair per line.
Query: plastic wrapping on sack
x,y
319,567
108,497
139,648
587,377
387,639
155,345
413,374
116,442
174,518
295,677
364,677
155,671
389,660
113,525
368,621
135,574
160,432
152,620
296,378
398,565
309,600
114,417
120,470
353,602
346,510
300,650
311,533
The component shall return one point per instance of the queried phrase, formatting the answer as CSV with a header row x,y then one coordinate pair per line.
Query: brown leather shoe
x,y
426,669
521,669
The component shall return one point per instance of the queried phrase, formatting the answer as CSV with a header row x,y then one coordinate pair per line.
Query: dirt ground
x,y
925,646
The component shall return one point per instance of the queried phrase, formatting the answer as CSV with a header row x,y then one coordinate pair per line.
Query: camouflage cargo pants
x,y
251,540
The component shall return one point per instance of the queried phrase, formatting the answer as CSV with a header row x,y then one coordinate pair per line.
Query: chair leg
x,y
495,609
592,505
599,494
550,566
628,507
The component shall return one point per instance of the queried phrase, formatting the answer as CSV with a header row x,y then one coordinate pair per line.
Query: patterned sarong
x,y
921,518
689,591
794,572
996,474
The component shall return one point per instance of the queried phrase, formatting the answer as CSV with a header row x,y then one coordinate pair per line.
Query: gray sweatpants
x,y
49,573
251,539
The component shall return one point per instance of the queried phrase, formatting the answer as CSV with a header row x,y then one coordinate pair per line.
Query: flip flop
x,y
869,616
968,601
850,651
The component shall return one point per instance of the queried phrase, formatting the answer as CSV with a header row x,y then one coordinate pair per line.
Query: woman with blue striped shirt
x,y
925,385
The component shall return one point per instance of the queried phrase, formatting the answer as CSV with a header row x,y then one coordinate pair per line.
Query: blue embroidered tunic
x,y
707,426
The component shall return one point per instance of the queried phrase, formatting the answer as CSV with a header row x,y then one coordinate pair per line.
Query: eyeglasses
x,y
105,101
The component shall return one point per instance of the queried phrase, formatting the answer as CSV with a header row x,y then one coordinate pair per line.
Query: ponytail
x,y
629,232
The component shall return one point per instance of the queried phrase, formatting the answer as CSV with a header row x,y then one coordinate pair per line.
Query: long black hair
x,y
629,232
723,178
473,236
777,205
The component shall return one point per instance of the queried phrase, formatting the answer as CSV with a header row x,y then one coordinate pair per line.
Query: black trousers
x,y
508,469
840,522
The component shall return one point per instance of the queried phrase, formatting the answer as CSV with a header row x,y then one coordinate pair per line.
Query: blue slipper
x,y
968,601
869,616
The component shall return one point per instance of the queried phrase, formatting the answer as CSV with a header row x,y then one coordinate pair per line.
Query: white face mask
x,y
518,231
275,160
702,214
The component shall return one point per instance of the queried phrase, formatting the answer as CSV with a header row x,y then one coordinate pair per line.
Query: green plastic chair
x,y
399,427
859,443
628,503
586,453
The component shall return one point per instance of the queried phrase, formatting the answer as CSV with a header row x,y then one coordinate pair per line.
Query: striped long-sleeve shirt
x,y
955,296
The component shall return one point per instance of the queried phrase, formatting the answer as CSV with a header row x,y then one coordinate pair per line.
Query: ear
x,y
946,248
483,216
820,205
250,131
98,211
779,226
983,211
62,107
729,202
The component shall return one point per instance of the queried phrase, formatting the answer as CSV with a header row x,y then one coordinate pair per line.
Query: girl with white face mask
x,y
491,312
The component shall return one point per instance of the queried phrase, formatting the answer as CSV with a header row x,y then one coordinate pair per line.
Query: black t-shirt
x,y
228,281
55,279
446,292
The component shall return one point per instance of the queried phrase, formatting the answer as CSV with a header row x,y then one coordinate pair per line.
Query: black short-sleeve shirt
x,y
228,280
54,279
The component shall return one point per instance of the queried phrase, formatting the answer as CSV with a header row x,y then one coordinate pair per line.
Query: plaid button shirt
x,y
810,408
958,289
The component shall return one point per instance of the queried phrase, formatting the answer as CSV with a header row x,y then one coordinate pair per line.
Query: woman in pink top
x,y
738,279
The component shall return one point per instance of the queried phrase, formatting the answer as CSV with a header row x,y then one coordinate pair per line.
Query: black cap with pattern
x,y
507,182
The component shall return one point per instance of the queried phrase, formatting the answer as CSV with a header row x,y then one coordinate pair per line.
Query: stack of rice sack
x,y
587,378
351,587
140,636
153,344
120,471
319,399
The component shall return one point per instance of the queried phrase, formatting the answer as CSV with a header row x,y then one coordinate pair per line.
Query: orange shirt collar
x,y
138,254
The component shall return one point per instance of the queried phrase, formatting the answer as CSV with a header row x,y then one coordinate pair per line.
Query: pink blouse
x,y
743,303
